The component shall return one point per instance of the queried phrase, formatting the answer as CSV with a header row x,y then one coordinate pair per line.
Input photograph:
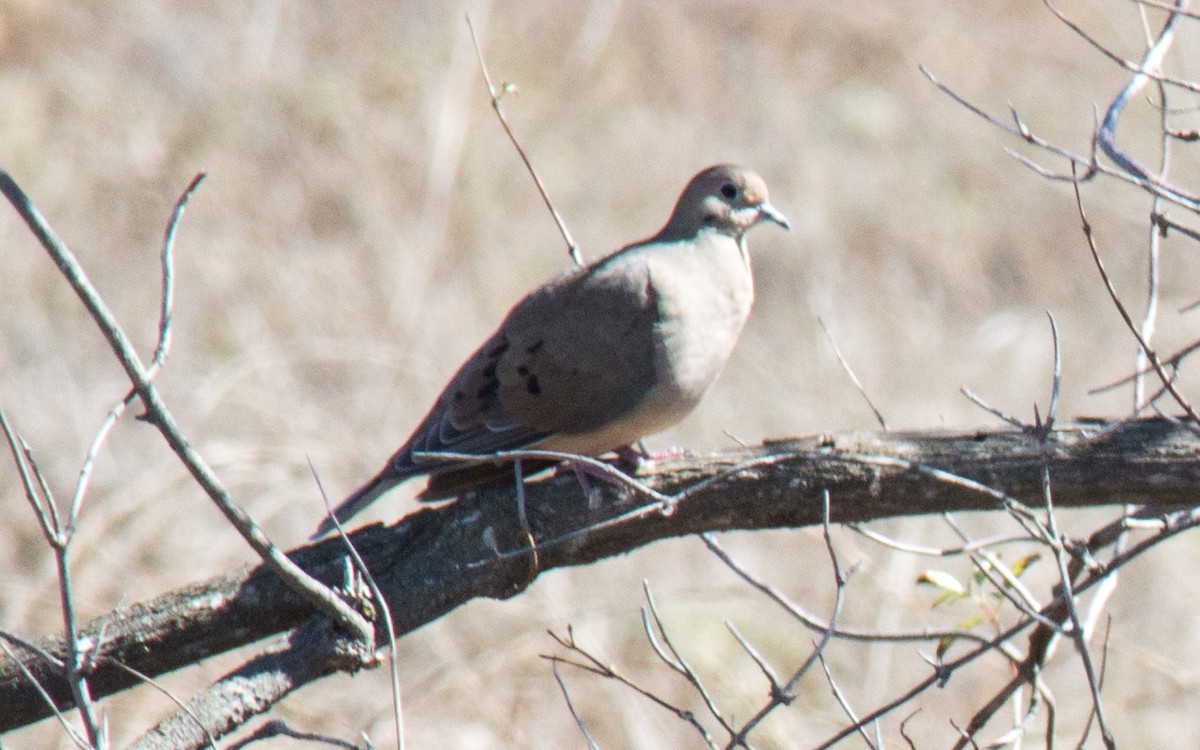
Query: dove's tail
x,y
358,500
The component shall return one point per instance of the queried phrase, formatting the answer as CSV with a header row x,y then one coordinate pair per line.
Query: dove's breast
x,y
704,294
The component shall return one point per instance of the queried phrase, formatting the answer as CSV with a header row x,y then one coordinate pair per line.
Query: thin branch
x,y
158,414
495,95
1173,361
1094,714
1077,631
161,349
583,729
1089,163
70,730
1005,417
1145,72
842,701
1163,224
1173,7
1112,293
812,622
1154,242
782,695
755,656
675,659
837,352
592,664
1038,428
212,740
376,599
1175,524
919,549
59,538
523,516
278,728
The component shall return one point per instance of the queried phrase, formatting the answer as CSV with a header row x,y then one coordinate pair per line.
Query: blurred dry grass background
x,y
365,224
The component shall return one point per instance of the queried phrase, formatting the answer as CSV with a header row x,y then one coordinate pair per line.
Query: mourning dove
x,y
603,355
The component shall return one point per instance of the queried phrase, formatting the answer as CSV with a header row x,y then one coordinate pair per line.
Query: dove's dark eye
x,y
729,191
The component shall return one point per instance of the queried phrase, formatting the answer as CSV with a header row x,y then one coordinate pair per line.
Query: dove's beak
x,y
769,212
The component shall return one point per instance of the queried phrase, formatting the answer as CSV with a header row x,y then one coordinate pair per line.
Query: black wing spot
x,y
491,383
533,386
522,370
499,349
537,346
488,390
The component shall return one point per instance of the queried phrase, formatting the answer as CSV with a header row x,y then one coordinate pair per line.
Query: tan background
x,y
365,224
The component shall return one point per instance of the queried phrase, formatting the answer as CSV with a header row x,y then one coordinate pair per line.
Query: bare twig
x,y
1175,7
784,694
496,94
72,733
671,656
1151,355
1089,163
278,728
1174,524
161,349
162,689
755,656
59,537
812,622
583,729
1173,361
1076,632
842,701
1163,224
594,665
1154,241
837,352
1094,714
158,414
920,549
1145,72
1005,417
1038,427
523,518
377,599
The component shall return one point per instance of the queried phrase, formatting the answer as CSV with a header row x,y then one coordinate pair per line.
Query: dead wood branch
x,y
436,559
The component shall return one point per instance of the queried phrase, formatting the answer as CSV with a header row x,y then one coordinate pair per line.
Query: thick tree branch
x,y
436,559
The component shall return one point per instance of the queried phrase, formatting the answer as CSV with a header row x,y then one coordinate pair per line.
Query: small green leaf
x,y
943,581
970,622
946,597
1021,565
944,644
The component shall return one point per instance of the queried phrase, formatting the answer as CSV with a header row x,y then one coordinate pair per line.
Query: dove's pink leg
x,y
629,457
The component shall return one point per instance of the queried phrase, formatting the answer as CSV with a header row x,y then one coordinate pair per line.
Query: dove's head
x,y
724,197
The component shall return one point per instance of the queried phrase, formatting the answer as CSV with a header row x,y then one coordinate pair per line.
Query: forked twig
x,y
58,535
161,348
593,664
159,415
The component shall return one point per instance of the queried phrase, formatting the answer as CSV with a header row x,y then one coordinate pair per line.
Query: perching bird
x,y
603,355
